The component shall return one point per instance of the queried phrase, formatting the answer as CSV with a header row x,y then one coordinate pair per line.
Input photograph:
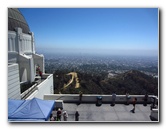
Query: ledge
x,y
86,98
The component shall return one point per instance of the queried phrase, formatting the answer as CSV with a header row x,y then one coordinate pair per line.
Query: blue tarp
x,y
30,110
13,105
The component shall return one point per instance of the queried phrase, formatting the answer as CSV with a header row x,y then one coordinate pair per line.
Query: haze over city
x,y
115,31
81,59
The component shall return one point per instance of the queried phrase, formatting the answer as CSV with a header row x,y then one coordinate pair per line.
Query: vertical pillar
x,y
43,65
32,42
19,38
32,69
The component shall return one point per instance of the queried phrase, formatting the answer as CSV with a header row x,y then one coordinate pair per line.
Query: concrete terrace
x,y
107,113
120,112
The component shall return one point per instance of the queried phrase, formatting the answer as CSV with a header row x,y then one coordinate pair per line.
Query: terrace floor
x,y
107,113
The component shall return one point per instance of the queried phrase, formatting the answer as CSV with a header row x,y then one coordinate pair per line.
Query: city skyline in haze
x,y
116,31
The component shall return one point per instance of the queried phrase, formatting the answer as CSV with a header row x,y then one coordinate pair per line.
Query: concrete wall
x,y
13,82
26,63
45,87
12,43
12,47
26,44
20,44
39,60
154,114
72,98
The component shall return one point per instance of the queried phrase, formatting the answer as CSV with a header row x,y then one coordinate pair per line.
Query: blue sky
x,y
131,31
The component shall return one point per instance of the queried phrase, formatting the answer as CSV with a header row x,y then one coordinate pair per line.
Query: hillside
x,y
132,81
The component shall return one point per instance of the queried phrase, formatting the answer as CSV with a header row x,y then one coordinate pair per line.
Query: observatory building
x,y
24,64
27,80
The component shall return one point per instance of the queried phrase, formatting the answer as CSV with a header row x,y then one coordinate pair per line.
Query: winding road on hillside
x,y
74,76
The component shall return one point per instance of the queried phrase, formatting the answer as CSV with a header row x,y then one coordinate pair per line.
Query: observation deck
x,y
105,112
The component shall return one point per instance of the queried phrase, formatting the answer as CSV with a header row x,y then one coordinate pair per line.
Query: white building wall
x,y
21,51
13,82
46,87
12,47
12,43
26,64
39,60
26,44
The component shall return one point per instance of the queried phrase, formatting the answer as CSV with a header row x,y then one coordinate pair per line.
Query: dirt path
x,y
74,76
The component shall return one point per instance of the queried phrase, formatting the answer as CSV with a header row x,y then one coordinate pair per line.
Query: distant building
x,y
22,58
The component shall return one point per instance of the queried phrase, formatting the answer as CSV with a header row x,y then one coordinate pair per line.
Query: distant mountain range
x,y
133,81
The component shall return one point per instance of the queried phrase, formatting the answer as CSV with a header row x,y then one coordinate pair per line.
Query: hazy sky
x,y
98,30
